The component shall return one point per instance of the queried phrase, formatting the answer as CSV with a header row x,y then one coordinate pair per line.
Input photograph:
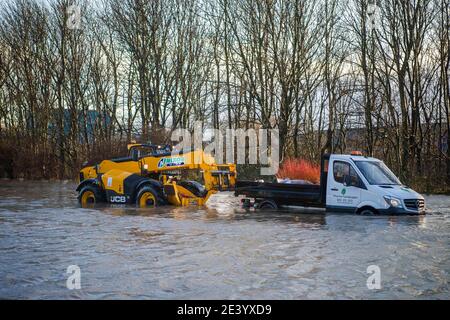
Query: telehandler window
x,y
142,151
147,150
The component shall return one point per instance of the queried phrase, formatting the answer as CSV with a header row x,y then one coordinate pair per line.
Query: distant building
x,y
87,124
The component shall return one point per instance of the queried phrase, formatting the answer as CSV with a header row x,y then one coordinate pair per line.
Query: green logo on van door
x,y
343,191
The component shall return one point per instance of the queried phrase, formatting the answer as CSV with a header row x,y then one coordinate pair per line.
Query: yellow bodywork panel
x,y
191,161
88,173
129,166
216,177
113,180
108,165
180,196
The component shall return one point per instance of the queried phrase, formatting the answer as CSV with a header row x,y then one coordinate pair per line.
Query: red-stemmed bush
x,y
299,169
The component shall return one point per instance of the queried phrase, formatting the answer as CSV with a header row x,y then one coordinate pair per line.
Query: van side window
x,y
340,170
354,178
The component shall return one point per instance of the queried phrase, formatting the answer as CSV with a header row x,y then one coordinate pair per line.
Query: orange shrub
x,y
299,169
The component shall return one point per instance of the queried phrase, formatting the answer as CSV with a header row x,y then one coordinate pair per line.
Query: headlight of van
x,y
393,202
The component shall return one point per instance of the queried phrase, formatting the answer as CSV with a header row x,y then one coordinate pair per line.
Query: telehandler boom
x,y
153,175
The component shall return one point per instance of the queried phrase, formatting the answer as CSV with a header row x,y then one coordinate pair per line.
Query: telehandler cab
x,y
152,175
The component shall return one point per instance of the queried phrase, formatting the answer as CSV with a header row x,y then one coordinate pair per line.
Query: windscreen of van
x,y
376,172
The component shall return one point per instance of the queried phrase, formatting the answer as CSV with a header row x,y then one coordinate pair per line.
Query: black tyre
x,y
148,197
89,195
367,212
267,205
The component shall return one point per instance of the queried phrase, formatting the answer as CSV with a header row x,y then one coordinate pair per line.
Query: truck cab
x,y
363,184
349,183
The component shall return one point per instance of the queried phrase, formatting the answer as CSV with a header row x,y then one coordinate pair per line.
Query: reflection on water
x,y
219,251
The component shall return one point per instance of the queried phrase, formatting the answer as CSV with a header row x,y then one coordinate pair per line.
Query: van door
x,y
343,190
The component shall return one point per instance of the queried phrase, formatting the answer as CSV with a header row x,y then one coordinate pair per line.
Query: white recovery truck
x,y
348,183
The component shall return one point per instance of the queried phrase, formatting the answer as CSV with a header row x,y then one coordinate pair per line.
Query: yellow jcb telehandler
x,y
152,175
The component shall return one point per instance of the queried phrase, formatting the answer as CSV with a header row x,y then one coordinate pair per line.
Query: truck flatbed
x,y
348,183
281,193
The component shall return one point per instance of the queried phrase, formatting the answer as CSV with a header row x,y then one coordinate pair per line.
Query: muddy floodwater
x,y
217,252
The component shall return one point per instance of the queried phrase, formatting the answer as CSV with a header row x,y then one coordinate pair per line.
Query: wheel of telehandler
x,y
89,195
148,197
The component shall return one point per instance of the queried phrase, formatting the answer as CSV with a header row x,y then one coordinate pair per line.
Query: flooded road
x,y
217,252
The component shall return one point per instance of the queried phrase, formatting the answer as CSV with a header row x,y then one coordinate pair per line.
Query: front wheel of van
x,y
367,211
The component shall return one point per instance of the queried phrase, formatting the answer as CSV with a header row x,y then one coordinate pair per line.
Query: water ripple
x,y
217,252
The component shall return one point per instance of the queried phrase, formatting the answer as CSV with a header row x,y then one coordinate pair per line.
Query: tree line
x,y
330,75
